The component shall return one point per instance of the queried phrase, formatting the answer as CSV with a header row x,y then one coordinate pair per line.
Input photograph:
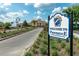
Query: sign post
x,y
60,26
71,34
48,38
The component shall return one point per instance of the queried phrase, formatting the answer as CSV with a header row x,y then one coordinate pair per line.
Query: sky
x,y
29,11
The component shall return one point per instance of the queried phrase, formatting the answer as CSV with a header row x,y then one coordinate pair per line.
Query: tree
x,y
1,24
7,25
75,10
25,23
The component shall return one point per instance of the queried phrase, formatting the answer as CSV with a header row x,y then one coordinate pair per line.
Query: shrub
x,y
38,42
35,51
54,44
43,50
39,39
68,49
45,42
78,46
28,54
63,44
59,40
76,38
40,35
54,53
36,45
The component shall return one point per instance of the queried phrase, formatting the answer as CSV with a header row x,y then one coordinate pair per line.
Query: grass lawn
x,y
14,33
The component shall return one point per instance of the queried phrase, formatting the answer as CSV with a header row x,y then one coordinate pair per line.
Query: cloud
x,y
56,10
38,17
3,5
2,16
6,8
6,4
11,16
25,12
37,5
4,19
7,20
17,14
26,4
65,7
38,12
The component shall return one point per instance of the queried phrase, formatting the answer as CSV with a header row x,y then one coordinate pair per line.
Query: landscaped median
x,y
40,46
76,46
10,34
59,47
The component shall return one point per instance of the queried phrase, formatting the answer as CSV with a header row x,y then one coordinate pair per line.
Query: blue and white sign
x,y
59,26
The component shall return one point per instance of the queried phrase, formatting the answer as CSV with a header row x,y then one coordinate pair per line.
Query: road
x,y
14,46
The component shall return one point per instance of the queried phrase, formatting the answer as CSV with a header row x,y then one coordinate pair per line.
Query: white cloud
x,y
6,8
26,3
4,19
25,12
38,12
10,16
36,5
7,20
1,6
14,14
65,7
6,4
0,20
38,17
19,13
56,10
2,16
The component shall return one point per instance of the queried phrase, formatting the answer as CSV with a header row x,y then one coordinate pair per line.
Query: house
x,y
38,23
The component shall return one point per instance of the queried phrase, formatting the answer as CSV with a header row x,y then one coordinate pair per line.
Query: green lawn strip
x,y
6,35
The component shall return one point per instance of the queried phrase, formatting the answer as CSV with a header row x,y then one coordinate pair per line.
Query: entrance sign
x,y
59,26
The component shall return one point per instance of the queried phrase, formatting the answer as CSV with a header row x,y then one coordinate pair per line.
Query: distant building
x,y
38,23
2,30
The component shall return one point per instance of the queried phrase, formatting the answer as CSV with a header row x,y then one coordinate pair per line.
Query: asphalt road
x,y
14,46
